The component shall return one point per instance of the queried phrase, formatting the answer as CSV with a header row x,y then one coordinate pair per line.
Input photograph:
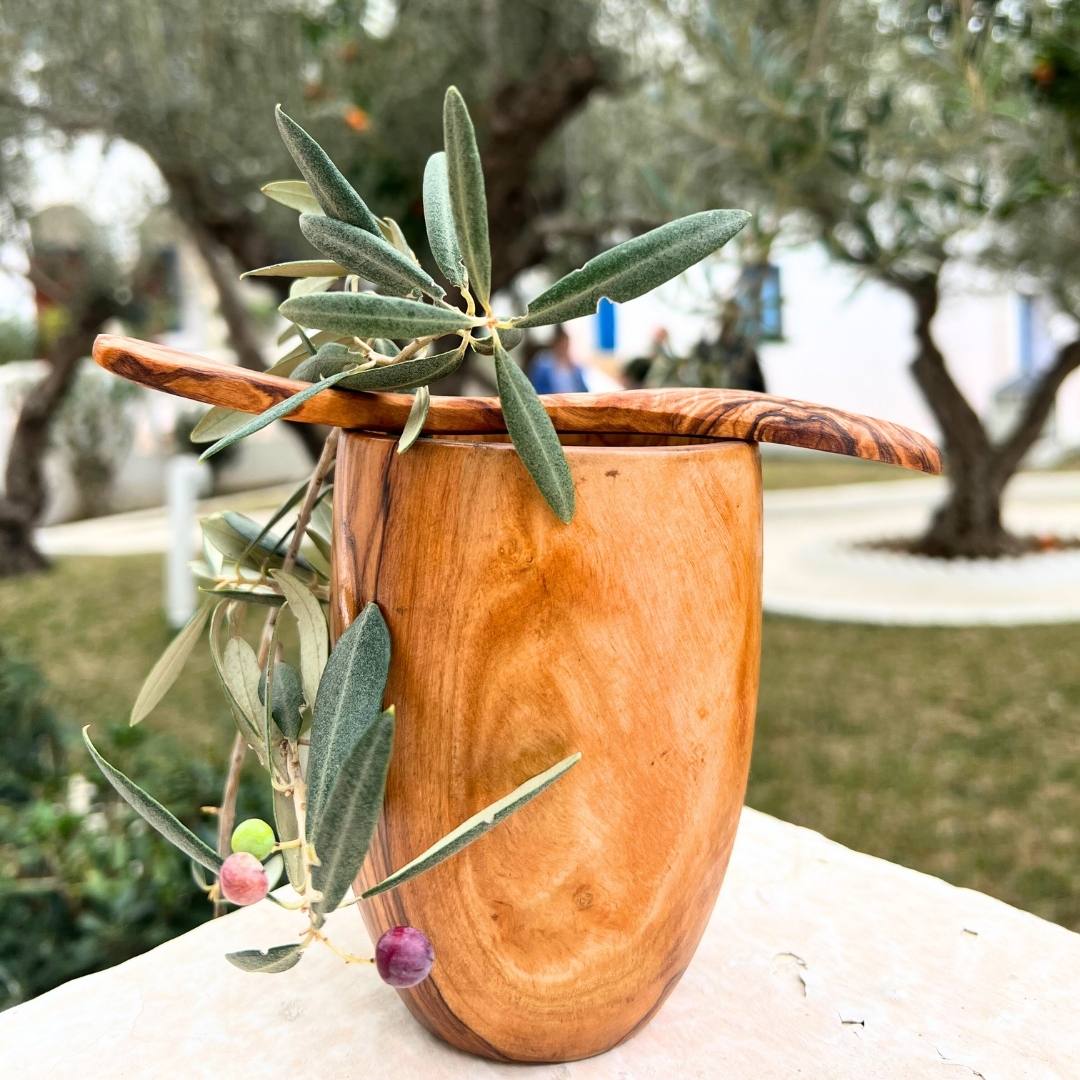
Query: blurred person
x,y
554,370
651,368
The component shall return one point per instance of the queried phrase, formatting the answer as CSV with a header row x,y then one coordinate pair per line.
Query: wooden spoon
x,y
699,414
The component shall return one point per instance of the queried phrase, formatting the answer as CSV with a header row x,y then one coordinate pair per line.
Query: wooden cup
x,y
631,635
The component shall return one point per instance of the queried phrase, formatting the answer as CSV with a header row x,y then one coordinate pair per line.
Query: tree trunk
x,y
24,495
969,523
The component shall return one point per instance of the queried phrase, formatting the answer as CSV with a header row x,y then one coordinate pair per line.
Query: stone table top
x,y
819,962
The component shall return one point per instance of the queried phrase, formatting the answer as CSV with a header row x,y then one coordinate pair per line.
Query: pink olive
x,y
404,956
243,879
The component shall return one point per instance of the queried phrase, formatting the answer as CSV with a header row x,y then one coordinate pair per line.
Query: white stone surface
x,y
815,568
819,962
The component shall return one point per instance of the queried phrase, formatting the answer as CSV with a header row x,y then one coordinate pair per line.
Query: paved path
x,y
813,565
818,962
814,568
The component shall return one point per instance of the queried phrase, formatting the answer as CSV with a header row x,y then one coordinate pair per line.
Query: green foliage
x,y
348,702
171,662
439,219
344,822
404,376
534,436
635,267
334,193
276,959
475,827
300,269
366,315
417,415
465,177
154,813
369,257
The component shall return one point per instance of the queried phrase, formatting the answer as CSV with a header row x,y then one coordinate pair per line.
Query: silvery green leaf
x,y
288,828
509,337
384,346
303,268
279,958
404,376
242,675
203,573
348,702
415,423
169,665
242,540
299,353
306,285
369,257
334,193
153,813
635,267
311,624
475,827
287,692
439,220
465,178
275,412
293,500
347,815
534,436
295,194
367,315
245,594
392,234
329,359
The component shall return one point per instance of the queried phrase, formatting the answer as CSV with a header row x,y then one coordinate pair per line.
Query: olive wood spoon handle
x,y
694,413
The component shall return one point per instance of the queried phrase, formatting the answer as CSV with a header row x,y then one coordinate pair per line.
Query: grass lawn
x,y
953,751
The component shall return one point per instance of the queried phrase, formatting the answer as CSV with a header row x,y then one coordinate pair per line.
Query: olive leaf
x,y
415,423
392,234
439,220
367,256
635,267
293,500
334,193
402,376
534,436
306,285
278,958
241,674
246,594
287,827
169,665
465,178
295,194
348,701
349,811
368,315
243,541
303,268
287,699
275,412
153,813
311,624
474,827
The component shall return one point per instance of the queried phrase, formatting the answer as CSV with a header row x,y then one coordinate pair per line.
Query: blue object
x,y
606,331
550,377
1026,333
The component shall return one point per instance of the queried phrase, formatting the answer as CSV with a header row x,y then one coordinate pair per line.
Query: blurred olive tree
x,y
909,138
193,83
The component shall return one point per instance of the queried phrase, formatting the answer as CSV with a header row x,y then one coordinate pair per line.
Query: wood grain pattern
x,y
702,414
632,636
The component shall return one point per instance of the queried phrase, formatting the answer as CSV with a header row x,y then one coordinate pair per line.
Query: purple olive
x,y
404,956
243,879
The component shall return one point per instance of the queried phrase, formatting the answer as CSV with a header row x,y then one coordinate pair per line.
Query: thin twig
x,y
227,812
